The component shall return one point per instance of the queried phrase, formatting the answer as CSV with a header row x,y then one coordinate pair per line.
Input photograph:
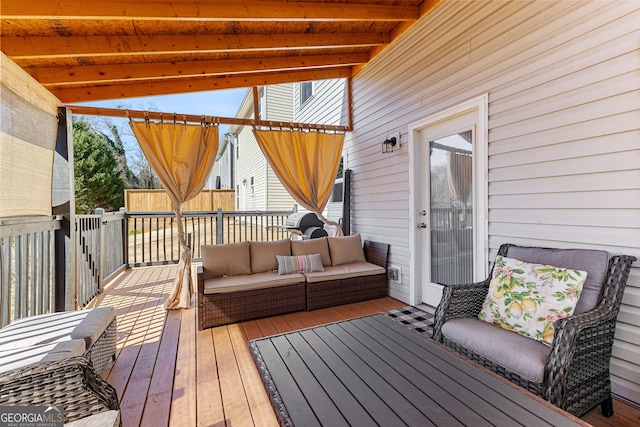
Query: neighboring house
x,y
222,175
257,187
324,102
551,94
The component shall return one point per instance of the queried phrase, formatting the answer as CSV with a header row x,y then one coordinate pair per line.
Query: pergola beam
x,y
61,46
76,93
250,10
180,70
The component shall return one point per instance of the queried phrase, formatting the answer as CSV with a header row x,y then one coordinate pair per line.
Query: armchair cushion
x,y
527,358
528,298
46,353
594,262
87,325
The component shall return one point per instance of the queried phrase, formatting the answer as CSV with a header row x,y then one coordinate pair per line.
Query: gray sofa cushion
x,y
594,262
87,325
53,352
519,354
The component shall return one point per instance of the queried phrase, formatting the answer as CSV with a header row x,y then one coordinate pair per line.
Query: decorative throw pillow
x,y
299,264
528,298
313,246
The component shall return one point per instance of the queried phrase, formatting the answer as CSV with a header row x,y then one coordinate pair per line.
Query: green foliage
x,y
98,178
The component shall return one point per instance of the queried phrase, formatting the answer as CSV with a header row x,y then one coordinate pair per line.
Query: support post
x,y
63,201
346,202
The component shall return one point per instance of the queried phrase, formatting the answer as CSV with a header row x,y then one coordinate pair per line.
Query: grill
x,y
304,225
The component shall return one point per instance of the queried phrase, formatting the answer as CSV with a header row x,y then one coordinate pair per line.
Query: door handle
x,y
422,225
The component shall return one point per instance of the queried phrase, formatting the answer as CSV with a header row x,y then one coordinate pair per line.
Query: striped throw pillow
x,y
299,264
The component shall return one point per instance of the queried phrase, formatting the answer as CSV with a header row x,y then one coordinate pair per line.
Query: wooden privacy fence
x,y
158,201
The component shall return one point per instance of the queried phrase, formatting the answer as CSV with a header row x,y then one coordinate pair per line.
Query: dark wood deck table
x,y
375,371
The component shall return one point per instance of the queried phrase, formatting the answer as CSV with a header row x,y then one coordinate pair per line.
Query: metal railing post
x,y
219,227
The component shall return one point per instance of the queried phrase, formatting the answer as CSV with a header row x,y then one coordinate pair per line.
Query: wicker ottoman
x,y
96,327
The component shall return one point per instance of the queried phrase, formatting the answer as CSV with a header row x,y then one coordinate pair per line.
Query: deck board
x,y
208,378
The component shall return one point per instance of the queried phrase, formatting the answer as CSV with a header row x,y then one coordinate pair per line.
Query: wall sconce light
x,y
388,144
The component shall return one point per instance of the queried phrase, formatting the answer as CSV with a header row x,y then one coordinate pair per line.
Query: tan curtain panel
x,y
306,163
182,156
459,175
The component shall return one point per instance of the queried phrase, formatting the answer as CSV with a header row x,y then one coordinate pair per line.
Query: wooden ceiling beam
x,y
64,46
159,70
230,10
165,87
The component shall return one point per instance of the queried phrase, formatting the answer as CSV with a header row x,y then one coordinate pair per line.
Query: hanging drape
x,y
306,163
182,156
459,175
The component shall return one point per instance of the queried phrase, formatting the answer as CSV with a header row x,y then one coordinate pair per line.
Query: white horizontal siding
x,y
278,198
327,106
251,162
279,102
564,131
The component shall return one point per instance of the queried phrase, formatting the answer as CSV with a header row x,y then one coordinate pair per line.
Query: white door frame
x,y
481,106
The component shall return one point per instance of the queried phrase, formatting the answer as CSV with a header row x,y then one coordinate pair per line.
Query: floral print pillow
x,y
528,298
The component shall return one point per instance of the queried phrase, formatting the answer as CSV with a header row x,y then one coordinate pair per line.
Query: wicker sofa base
x,y
232,307
345,291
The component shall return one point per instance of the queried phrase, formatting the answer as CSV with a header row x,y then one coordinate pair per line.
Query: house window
x,y
252,188
306,92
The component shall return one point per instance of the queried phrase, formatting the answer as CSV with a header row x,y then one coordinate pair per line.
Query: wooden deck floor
x,y
169,373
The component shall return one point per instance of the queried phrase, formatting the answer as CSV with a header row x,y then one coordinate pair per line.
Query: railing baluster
x,y
5,268
32,274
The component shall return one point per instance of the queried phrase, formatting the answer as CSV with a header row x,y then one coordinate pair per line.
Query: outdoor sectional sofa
x,y
241,281
55,359
572,370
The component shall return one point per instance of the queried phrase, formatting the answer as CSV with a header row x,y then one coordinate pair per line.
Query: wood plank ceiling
x,y
94,50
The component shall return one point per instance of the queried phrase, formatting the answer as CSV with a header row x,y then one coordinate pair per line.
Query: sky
x,y
221,103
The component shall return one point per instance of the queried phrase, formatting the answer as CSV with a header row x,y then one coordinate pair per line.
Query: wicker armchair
x,y
72,383
576,372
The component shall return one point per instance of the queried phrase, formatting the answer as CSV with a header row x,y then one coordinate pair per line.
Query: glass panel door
x,y
451,208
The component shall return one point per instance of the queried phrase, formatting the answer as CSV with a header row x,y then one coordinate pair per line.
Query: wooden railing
x,y
100,251
44,267
153,237
27,266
